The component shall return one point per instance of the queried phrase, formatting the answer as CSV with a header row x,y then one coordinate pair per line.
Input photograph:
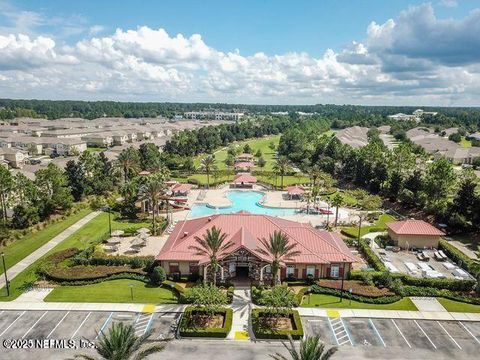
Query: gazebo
x,y
244,181
243,166
181,189
295,191
244,157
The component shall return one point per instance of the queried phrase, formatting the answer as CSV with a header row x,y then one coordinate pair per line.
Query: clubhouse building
x,y
323,254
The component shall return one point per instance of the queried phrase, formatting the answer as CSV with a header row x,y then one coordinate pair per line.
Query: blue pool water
x,y
241,200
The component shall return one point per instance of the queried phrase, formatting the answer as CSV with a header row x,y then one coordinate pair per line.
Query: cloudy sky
x,y
263,51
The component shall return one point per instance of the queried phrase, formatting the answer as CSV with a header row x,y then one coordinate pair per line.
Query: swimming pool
x,y
241,200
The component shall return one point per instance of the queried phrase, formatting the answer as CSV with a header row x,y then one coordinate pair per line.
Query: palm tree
x,y
279,248
281,166
129,162
151,192
207,165
311,348
212,244
121,343
337,201
314,173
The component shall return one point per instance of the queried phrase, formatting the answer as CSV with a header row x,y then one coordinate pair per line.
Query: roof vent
x,y
210,219
185,234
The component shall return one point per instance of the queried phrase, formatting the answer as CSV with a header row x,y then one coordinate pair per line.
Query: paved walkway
x,y
34,256
242,306
427,304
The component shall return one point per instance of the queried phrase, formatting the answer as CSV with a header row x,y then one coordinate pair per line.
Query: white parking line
x,y
403,336
450,336
55,328
104,325
36,322
424,333
468,330
13,322
378,333
83,322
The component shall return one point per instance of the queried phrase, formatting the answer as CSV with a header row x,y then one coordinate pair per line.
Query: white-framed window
x,y
310,270
268,269
335,271
290,270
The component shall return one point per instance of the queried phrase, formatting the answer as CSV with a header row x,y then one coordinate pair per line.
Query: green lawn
x,y
348,199
255,144
113,291
333,302
287,180
457,306
380,223
465,143
19,249
96,149
91,233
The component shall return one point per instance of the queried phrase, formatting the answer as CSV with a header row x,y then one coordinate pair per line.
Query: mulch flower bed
x,y
275,322
202,320
358,288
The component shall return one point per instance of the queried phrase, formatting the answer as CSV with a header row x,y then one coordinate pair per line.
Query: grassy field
x,y
23,247
348,199
380,223
287,180
113,291
465,143
255,144
333,302
457,306
88,234
96,149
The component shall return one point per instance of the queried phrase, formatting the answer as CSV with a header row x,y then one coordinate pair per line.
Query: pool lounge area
x,y
241,201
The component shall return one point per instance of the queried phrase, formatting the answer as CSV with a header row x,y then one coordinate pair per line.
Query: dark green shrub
x,y
158,275
315,289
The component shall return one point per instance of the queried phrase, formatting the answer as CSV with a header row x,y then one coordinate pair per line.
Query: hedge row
x,y
456,255
315,289
76,273
269,333
370,256
187,330
353,232
121,276
449,284
429,291
98,258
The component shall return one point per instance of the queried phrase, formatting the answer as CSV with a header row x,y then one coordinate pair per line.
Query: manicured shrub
x,y
80,272
456,255
158,275
372,258
262,332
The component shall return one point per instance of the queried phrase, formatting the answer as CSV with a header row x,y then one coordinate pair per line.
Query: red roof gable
x,y
244,164
295,190
414,227
245,178
181,187
245,230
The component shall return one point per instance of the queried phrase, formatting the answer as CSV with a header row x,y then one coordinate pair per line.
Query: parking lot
x,y
81,327
452,337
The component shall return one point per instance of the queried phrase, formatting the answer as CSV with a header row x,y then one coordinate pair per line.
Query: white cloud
x,y
415,58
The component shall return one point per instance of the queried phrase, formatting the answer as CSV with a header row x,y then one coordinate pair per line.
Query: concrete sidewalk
x,y
77,306
34,256
242,306
390,314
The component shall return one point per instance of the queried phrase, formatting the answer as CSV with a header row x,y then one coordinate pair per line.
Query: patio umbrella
x,y
143,231
137,241
113,241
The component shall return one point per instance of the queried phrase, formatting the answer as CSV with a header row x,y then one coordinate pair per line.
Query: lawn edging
x,y
186,331
260,333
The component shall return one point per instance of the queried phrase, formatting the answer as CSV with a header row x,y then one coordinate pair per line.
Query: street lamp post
x,y
343,278
109,222
359,229
7,284
131,290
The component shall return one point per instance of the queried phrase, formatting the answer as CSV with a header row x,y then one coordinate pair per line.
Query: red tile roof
x,y
414,227
295,190
244,164
245,230
245,178
181,187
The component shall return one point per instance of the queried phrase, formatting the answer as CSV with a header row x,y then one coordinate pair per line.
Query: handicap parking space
x,y
449,337
363,332
316,326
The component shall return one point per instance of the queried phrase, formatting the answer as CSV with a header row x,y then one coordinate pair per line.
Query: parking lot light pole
x,y
359,229
343,278
109,222
5,274
131,290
